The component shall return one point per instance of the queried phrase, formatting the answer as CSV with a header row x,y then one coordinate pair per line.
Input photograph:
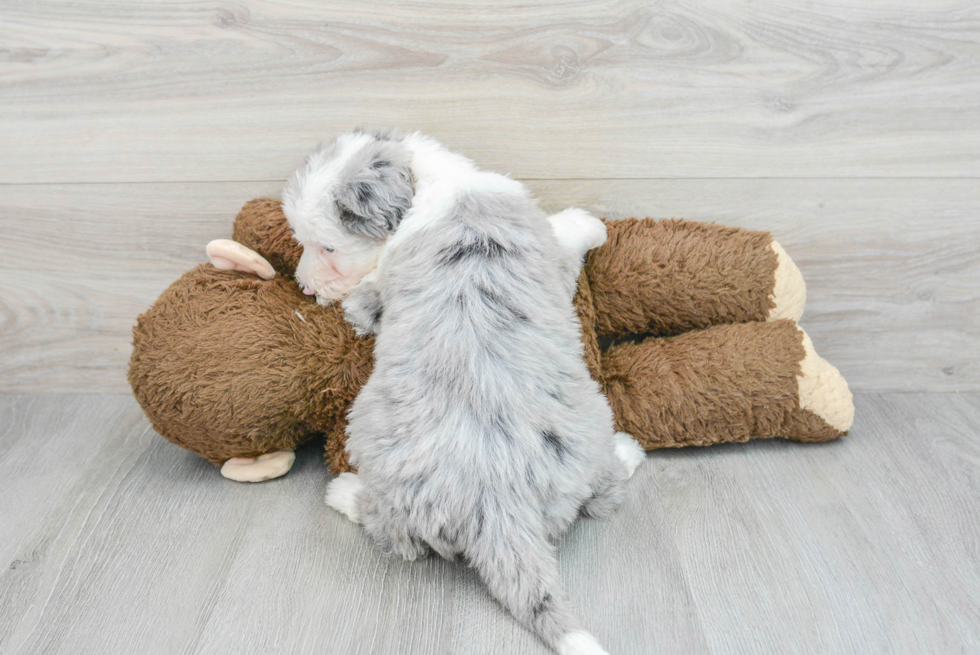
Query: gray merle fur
x,y
375,189
480,433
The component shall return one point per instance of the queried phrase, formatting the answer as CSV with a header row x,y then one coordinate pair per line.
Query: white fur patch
x,y
580,642
305,201
342,495
577,230
630,451
441,176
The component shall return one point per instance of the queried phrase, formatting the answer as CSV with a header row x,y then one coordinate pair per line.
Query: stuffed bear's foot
x,y
579,643
823,390
258,469
788,295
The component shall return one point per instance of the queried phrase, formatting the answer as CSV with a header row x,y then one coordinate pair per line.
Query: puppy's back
x,y
480,431
480,371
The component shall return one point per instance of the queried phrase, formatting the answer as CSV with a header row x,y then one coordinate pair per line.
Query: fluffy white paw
x,y
578,231
630,451
342,495
580,643
823,390
258,469
789,289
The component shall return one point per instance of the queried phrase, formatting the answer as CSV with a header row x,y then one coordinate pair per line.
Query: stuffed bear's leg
x,y
666,277
726,383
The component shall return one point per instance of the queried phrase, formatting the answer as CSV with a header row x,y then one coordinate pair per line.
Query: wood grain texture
x,y
114,540
176,91
867,545
142,547
892,266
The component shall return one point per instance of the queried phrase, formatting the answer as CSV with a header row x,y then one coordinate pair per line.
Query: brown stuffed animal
x,y
241,370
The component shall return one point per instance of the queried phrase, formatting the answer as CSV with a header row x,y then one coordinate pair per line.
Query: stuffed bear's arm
x,y
363,307
671,276
230,255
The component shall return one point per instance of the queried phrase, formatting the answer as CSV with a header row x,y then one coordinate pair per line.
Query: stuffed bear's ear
x,y
375,189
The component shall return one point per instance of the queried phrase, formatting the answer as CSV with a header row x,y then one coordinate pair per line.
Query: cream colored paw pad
x,y
823,390
258,469
789,289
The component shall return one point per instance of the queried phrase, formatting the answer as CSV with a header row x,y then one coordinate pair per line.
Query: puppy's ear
x,y
375,189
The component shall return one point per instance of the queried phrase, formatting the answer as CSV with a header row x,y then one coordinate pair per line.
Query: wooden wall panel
x,y
892,266
174,91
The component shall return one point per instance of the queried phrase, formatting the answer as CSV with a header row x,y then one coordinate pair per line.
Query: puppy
x,y
480,433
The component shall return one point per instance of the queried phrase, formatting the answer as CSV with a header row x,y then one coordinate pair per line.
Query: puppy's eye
x,y
325,249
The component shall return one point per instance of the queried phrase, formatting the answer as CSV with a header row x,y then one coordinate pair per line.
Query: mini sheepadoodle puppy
x,y
480,433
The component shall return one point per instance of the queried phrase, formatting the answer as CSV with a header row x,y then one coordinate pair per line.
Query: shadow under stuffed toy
x,y
689,328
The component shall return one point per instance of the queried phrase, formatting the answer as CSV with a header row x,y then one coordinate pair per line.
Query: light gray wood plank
x,y
79,263
115,541
150,550
892,266
865,545
171,91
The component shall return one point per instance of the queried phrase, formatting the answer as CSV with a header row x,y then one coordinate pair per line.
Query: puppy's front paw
x,y
578,231
342,495
363,308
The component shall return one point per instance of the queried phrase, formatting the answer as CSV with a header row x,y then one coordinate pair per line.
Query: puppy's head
x,y
342,206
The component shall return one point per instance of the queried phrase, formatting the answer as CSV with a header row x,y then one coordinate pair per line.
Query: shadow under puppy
x,y
480,432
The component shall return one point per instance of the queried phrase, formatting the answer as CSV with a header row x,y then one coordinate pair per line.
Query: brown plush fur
x,y
225,364
723,383
671,276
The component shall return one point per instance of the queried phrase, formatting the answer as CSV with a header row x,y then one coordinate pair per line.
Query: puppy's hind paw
x,y
342,495
630,451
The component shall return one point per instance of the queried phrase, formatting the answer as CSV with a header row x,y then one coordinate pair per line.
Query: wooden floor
x,y
119,542
131,133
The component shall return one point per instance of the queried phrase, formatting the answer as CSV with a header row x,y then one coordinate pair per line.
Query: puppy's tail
x,y
520,570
